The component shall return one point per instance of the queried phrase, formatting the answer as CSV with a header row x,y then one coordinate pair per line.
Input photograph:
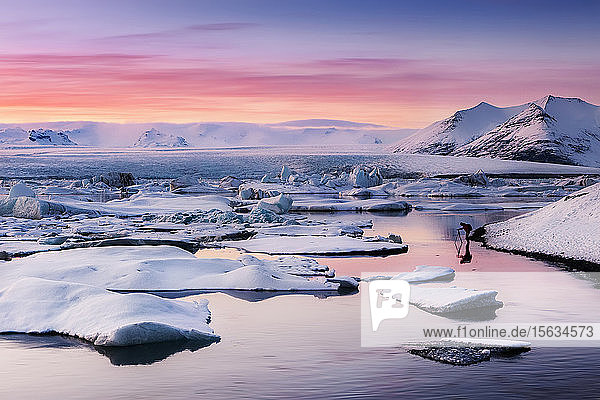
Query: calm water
x,y
301,346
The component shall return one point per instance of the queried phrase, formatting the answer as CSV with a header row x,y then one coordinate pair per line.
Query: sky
x,y
397,63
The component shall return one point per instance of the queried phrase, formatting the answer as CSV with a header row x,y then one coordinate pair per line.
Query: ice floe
x,y
316,245
161,268
102,317
441,300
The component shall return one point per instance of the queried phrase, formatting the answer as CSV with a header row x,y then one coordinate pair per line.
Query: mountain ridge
x,y
564,130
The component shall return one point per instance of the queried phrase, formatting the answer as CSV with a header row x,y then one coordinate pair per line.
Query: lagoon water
x,y
302,346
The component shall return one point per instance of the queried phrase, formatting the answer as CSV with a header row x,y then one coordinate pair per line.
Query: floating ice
x,y
104,318
157,268
316,245
440,300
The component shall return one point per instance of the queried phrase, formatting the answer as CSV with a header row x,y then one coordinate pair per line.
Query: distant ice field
x,y
252,162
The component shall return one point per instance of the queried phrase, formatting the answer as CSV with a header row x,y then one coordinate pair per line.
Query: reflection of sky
x,y
397,63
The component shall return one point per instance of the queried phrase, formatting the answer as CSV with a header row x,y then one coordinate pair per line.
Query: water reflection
x,y
255,295
144,354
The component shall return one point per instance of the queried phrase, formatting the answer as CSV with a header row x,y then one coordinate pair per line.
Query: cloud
x,y
175,33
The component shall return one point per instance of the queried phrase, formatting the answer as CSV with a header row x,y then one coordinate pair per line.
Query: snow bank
x,y
440,300
568,228
104,318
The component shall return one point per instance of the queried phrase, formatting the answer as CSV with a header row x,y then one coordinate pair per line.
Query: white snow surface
x,y
568,228
102,317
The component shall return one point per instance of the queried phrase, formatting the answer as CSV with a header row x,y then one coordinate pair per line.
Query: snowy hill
x,y
223,134
551,129
155,138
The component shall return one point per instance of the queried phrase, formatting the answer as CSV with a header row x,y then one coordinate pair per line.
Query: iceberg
x,y
102,317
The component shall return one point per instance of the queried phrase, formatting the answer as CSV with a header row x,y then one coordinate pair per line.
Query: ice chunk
x,y
362,176
440,300
104,318
479,178
285,173
21,190
280,204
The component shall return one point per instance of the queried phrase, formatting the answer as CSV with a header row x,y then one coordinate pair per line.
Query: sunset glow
x,y
272,61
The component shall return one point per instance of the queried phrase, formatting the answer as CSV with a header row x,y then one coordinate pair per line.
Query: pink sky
x,y
111,64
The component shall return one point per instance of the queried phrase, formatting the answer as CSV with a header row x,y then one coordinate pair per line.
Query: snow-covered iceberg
x,y
102,317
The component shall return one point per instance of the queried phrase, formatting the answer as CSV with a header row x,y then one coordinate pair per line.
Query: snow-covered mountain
x,y
50,137
225,134
445,136
155,138
551,129
37,137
